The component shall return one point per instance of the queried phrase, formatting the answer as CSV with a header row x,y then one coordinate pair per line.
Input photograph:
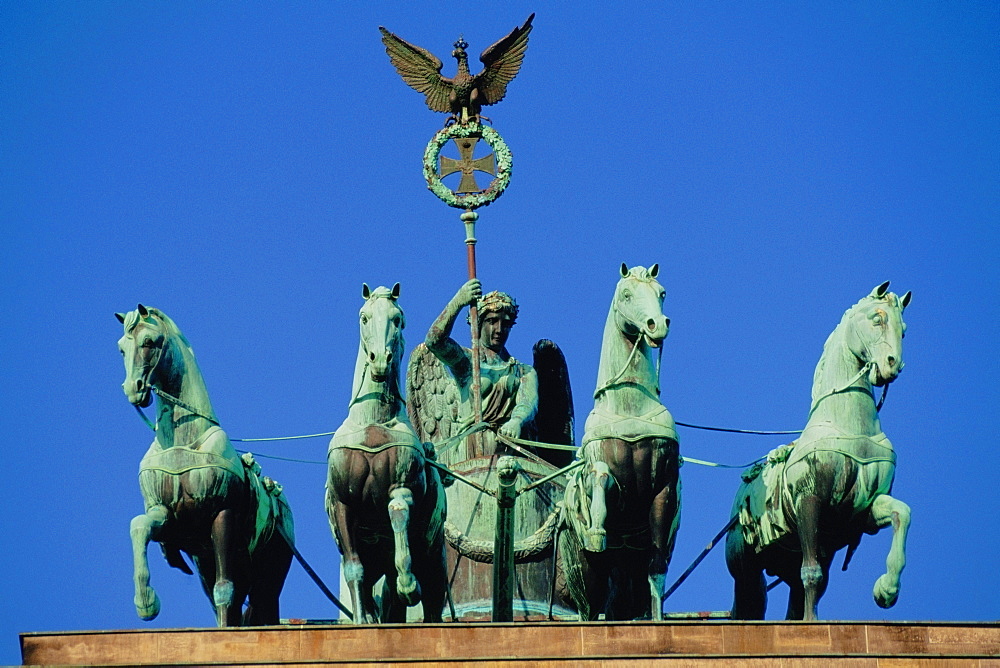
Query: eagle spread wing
x,y
420,69
502,62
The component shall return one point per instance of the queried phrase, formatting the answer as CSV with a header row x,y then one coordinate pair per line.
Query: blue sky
x,y
245,167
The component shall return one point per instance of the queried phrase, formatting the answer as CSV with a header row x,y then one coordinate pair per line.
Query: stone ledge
x,y
750,644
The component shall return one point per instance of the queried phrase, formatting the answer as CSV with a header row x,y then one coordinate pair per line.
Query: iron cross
x,y
467,165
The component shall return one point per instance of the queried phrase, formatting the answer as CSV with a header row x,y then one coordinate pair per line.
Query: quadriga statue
x,y
825,490
622,507
386,505
200,496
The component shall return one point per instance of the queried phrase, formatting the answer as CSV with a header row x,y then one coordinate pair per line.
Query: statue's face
x,y
494,328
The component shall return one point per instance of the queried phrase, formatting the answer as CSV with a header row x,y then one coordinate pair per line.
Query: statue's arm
x,y
527,404
439,339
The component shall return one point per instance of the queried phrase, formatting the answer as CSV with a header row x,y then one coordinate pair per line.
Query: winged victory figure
x,y
464,94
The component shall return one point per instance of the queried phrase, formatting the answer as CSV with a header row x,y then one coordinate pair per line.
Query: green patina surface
x,y
432,166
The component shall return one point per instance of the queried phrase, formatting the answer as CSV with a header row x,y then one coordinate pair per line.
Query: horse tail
x,y
400,501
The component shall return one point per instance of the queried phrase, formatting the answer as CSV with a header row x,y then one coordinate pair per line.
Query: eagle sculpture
x,y
463,95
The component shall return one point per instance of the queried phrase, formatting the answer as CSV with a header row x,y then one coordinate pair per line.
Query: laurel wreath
x,y
504,162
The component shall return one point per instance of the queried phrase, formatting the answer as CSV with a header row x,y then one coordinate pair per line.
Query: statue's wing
x,y
420,69
554,420
432,399
502,62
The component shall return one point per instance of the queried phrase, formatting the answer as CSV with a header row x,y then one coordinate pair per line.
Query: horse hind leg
x,y
885,511
664,521
144,528
400,501
230,568
749,586
596,538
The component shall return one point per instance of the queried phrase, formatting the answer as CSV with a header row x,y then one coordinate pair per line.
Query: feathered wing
x,y
432,399
554,420
420,69
502,62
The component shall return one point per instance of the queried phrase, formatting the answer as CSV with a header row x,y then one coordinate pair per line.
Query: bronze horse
x,y
623,505
386,505
825,490
200,496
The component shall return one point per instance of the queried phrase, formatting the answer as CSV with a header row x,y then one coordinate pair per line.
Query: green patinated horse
x,y
386,505
200,496
830,486
623,505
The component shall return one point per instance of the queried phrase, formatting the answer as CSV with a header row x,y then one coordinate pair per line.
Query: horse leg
x,y
344,524
749,586
664,520
227,600
270,568
884,511
596,585
400,500
144,528
596,539
432,573
807,512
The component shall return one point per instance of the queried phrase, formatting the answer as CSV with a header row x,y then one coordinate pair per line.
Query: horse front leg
x,y
884,511
807,511
664,520
400,501
596,539
144,528
344,525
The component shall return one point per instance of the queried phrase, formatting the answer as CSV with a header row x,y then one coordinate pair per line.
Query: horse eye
x,y
364,319
626,295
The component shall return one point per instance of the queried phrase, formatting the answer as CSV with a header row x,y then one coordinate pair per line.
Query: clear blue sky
x,y
245,167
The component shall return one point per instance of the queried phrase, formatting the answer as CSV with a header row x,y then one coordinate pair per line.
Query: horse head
x,y
141,347
876,333
382,324
638,305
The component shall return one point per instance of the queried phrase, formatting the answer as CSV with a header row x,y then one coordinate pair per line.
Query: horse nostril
x,y
666,321
891,361
651,324
371,356
388,356
138,385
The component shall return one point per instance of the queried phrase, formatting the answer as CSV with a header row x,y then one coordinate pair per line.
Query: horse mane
x,y
640,274
170,328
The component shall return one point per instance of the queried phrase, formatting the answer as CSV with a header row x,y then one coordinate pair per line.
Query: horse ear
x,y
121,317
142,310
395,291
654,270
881,290
624,270
905,300
365,291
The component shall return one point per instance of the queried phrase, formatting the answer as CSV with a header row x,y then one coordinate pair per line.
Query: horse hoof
x,y
884,593
409,591
595,542
147,605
